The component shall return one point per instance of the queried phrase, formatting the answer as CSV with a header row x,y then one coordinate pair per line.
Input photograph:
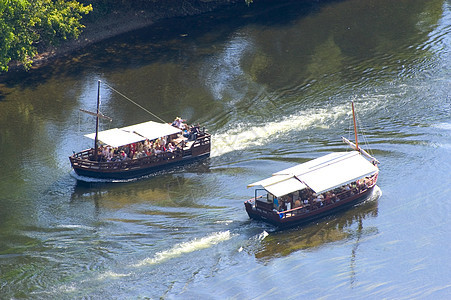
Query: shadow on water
x,y
342,226
174,188
174,39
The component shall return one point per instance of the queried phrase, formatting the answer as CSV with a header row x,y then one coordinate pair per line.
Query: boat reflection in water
x,y
342,226
164,190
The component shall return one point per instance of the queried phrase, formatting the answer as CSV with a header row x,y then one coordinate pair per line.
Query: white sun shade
x,y
316,163
285,187
270,180
152,130
322,174
341,171
117,137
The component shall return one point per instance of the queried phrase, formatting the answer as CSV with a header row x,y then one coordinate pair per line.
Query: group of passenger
x,y
151,147
137,150
307,200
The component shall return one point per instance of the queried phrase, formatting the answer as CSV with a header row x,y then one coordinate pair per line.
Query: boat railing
x,y
253,200
202,140
82,159
264,205
307,208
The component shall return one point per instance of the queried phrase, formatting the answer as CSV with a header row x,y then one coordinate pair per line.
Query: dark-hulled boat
x,y
138,150
316,188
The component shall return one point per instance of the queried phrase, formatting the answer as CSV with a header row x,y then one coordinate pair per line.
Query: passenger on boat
x,y
104,151
362,184
157,149
178,122
130,150
319,200
149,151
297,203
193,133
146,145
288,202
171,147
276,203
185,132
163,141
123,155
330,197
110,153
347,190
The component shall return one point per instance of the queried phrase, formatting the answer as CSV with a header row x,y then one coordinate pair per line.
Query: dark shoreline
x,y
120,22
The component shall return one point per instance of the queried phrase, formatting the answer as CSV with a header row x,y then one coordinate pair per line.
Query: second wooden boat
x,y
316,188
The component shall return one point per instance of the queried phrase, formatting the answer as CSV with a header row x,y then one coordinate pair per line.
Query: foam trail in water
x,y
187,247
71,226
262,236
242,137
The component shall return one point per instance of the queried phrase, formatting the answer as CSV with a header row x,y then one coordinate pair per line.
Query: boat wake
x,y
186,247
261,236
242,136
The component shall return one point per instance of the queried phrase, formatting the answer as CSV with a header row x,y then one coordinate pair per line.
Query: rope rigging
x,y
127,98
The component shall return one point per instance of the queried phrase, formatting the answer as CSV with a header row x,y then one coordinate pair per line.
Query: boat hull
x,y
139,172
84,166
294,217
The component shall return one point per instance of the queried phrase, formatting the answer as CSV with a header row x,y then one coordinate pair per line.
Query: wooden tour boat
x,y
141,149
316,188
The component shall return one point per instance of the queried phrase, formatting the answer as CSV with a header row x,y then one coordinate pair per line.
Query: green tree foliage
x,y
27,24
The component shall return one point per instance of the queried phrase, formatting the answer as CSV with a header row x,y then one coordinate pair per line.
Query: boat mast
x,y
356,146
355,127
97,122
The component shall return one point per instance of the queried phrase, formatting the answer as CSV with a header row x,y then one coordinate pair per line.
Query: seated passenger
x,y
297,203
158,149
109,155
319,200
123,155
171,147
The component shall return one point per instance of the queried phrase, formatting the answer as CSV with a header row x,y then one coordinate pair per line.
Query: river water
x,y
273,85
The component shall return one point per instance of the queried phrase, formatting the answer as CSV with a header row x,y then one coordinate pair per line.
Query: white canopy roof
x,y
117,137
287,186
271,180
321,175
152,130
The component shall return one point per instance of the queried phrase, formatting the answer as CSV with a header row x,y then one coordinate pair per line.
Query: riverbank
x,y
122,21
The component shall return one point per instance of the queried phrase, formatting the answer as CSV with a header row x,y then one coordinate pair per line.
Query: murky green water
x,y
272,83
